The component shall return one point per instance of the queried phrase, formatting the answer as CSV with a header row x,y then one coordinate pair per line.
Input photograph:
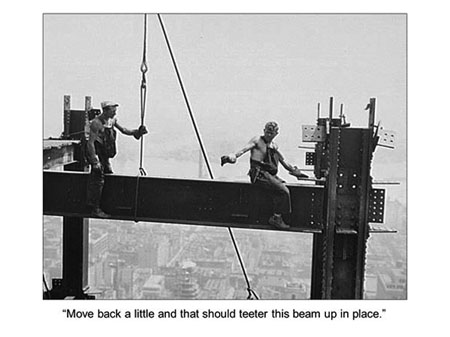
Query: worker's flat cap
x,y
108,103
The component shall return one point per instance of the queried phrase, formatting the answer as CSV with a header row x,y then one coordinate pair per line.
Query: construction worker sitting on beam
x,y
264,159
101,146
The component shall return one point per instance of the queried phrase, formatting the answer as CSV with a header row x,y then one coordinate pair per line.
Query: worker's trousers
x,y
96,181
281,196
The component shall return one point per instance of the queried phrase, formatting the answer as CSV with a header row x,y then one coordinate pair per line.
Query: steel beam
x,y
58,153
182,201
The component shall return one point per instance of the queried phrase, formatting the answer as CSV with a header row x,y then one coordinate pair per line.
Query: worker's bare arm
x,y
286,165
249,146
232,157
94,130
293,170
136,133
124,130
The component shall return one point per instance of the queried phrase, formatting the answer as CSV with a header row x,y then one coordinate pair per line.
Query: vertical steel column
x,y
317,267
363,230
328,241
322,259
331,109
75,229
66,117
75,255
348,249
339,253
75,249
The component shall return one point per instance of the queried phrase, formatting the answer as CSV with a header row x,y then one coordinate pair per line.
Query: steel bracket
x,y
313,133
386,138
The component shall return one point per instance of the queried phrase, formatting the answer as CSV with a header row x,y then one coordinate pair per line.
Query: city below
x,y
130,260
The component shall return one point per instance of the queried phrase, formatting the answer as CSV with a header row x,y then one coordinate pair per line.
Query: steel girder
x,y
58,153
182,201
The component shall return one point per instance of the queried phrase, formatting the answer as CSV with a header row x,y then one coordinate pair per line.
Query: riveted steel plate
x,y
376,205
310,158
387,138
313,133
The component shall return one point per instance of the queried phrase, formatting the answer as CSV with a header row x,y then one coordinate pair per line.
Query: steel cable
x,y
143,93
143,101
251,293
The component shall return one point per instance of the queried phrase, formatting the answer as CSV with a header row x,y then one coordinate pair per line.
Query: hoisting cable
x,y
144,70
143,98
251,292
185,97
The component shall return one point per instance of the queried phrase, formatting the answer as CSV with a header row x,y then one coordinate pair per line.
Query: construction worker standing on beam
x,y
264,159
101,146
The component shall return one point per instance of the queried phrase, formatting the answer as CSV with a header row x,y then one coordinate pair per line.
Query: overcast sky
x,y
239,71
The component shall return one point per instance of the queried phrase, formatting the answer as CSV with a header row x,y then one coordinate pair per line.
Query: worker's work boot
x,y
277,221
107,168
97,212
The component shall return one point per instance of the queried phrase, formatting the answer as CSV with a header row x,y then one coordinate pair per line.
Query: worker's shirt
x,y
104,140
98,129
271,157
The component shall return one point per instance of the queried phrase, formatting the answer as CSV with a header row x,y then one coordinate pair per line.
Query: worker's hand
x,y
143,130
230,159
297,173
138,133
97,167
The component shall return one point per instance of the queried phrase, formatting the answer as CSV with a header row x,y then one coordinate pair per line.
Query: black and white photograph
x,y
229,168
224,156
